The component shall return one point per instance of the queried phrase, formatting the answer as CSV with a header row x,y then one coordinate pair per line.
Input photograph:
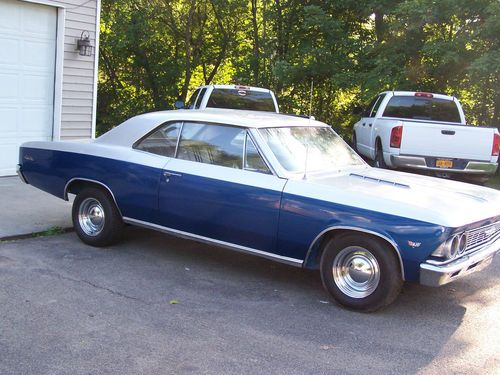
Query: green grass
x,y
54,231
494,182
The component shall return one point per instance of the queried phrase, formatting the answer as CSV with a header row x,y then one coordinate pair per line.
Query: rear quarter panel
x,y
132,176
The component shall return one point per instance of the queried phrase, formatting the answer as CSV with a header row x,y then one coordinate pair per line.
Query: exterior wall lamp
x,y
83,44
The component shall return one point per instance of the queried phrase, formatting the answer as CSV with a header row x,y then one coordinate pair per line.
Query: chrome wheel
x,y
356,272
91,216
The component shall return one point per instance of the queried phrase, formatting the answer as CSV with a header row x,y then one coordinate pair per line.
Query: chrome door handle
x,y
170,174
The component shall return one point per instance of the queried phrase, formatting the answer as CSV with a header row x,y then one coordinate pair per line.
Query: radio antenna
x,y
311,98
305,161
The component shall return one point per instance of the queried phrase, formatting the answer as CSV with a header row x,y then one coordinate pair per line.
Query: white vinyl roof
x,y
134,128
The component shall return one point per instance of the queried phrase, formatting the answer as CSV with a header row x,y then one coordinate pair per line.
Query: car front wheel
x,y
96,218
360,272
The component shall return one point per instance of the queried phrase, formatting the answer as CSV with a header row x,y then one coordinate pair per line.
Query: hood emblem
x,y
414,244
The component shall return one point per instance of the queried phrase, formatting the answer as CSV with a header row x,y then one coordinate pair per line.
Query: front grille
x,y
480,236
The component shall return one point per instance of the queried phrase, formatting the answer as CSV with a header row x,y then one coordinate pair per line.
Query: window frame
x,y
247,136
151,132
377,105
248,133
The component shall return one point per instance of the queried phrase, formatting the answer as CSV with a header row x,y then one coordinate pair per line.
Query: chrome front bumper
x,y
20,174
436,275
418,162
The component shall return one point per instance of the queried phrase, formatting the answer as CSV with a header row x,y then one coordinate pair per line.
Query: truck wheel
x,y
354,142
379,157
96,218
360,272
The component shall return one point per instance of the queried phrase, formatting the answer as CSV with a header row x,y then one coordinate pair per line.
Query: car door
x,y
364,130
216,190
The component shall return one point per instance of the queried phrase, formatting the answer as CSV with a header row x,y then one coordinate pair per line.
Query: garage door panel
x,y
8,124
10,152
37,87
10,51
9,16
9,84
39,22
27,66
35,121
34,54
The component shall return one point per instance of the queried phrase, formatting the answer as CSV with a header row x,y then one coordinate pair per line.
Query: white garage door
x,y
27,65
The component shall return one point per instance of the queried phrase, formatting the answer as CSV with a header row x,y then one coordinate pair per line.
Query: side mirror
x,y
358,111
179,104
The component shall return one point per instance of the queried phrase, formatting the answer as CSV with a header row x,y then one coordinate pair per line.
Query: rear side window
x,y
212,144
419,108
161,142
241,99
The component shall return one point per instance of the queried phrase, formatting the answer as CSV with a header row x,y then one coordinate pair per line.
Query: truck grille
x,y
480,236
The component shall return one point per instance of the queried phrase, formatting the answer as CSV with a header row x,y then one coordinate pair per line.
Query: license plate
x,y
444,163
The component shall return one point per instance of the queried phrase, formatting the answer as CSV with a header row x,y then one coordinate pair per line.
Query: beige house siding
x,y
78,84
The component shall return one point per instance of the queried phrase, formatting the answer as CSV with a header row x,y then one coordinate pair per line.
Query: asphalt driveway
x,y
155,304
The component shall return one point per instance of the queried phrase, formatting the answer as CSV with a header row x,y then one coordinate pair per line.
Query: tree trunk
x,y
256,46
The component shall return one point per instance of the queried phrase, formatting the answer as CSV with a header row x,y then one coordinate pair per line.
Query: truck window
x,y
419,108
200,98
241,99
192,99
377,105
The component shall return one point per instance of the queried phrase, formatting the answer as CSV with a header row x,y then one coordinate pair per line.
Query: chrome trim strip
x,y
471,251
481,167
211,241
20,173
434,275
179,139
261,151
65,196
341,227
472,167
245,150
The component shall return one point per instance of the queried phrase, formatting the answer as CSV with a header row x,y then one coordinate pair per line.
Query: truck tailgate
x,y
446,141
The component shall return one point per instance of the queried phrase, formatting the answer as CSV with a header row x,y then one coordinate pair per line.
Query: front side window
x,y
422,108
241,99
212,144
300,149
163,141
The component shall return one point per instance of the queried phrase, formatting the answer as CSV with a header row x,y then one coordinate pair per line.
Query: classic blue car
x,y
281,187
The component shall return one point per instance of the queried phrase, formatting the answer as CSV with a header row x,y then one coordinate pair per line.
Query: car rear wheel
x,y
360,272
96,218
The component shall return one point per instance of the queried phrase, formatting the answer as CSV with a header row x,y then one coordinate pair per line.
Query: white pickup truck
x,y
418,130
231,97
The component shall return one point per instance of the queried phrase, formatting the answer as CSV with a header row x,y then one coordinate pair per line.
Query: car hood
x,y
443,202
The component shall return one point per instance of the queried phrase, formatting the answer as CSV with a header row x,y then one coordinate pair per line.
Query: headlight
x,y
452,247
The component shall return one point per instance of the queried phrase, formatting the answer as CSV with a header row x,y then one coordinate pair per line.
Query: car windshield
x,y
320,147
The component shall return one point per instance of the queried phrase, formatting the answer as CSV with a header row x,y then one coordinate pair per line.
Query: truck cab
x,y
232,97
427,132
